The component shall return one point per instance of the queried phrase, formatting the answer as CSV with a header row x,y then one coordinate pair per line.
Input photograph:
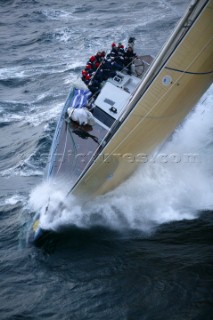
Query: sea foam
x,y
173,185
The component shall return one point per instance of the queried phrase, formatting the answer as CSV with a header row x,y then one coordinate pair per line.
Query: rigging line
x,y
131,62
188,72
98,67
154,106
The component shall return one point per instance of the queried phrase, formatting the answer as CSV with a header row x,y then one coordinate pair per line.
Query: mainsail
x,y
177,79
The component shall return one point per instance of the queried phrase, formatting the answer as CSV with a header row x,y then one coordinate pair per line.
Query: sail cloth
x,y
80,98
77,110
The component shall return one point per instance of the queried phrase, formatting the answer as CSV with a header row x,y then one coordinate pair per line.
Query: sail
x,y
180,75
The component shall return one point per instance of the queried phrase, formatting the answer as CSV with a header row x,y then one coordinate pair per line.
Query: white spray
x,y
175,185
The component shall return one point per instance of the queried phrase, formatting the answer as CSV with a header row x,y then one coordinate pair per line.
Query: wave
x,y
13,200
32,115
53,14
25,74
14,83
7,2
176,184
26,158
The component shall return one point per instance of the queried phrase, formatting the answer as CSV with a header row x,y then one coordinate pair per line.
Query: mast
x,y
184,25
181,73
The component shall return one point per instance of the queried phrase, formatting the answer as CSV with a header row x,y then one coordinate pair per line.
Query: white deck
x,y
116,93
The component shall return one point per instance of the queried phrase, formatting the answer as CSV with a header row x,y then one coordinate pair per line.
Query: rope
x,y
97,69
129,64
188,72
102,63
153,107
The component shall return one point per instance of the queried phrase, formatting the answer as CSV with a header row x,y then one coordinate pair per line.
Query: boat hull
x,y
170,96
174,83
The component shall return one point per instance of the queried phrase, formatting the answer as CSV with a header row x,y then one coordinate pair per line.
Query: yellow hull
x,y
173,93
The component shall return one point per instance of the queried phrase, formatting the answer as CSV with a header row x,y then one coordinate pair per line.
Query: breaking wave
x,y
174,185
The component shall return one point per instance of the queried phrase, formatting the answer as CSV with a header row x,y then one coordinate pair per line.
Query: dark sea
x,y
143,251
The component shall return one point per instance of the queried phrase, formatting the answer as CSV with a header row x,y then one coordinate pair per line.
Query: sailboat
x,y
133,114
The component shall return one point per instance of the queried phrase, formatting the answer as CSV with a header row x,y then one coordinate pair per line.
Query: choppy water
x,y
143,251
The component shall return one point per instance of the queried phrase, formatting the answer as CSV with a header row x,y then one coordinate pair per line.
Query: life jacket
x,y
97,64
92,59
84,73
88,68
120,46
98,57
88,77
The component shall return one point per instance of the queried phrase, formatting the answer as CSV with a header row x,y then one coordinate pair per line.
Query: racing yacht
x,y
132,114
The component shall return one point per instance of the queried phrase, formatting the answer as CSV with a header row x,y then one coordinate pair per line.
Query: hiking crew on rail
x,y
100,67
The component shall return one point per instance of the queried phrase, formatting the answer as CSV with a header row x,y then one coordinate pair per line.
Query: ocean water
x,y
143,251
